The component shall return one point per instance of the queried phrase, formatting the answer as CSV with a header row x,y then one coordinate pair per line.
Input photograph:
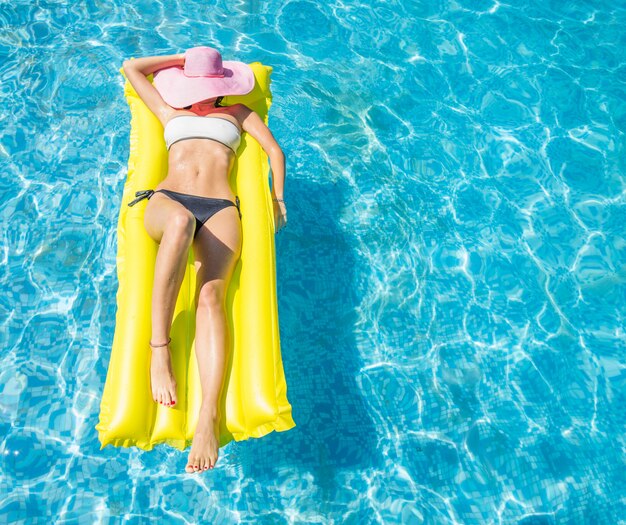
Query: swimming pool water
x,y
451,279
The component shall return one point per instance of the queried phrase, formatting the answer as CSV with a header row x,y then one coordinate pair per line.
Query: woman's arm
x,y
136,71
252,124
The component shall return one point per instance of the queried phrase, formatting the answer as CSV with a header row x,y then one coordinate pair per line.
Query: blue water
x,y
451,280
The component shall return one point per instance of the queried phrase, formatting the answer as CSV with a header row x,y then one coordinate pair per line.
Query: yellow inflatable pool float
x,y
254,397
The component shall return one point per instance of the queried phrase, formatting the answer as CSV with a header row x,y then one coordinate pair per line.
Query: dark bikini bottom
x,y
203,208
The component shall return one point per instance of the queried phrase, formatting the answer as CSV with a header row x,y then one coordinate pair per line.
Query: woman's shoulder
x,y
240,107
241,111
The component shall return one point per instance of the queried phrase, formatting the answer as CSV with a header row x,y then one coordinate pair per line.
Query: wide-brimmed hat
x,y
203,76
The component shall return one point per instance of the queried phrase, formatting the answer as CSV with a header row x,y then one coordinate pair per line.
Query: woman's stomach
x,y
199,167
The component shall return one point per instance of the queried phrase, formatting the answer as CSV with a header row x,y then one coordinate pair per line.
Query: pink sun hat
x,y
203,76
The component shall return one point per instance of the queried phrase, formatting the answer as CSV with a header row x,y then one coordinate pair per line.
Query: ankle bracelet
x,y
164,344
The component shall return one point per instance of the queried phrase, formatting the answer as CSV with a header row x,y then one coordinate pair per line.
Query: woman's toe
x,y
173,398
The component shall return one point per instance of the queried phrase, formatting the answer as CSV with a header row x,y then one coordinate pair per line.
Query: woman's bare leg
x,y
171,225
217,248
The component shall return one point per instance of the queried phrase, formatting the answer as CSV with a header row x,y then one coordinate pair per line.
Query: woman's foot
x,y
204,450
161,376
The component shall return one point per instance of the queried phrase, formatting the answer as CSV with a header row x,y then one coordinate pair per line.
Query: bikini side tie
x,y
145,194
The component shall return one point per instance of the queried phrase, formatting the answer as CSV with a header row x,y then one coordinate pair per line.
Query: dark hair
x,y
218,103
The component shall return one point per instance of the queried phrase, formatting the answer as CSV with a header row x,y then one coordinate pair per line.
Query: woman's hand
x,y
280,214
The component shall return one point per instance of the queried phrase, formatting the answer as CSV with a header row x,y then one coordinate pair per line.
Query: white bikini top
x,y
198,127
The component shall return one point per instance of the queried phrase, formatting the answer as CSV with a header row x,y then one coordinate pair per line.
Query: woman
x,y
194,205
